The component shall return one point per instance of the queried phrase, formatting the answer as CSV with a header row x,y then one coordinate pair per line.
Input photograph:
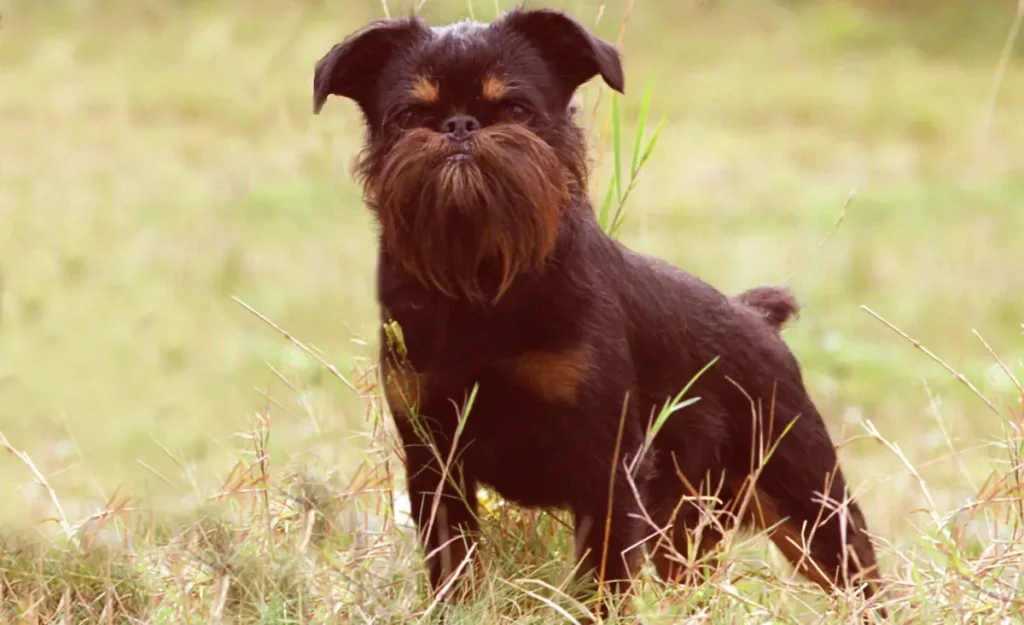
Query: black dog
x,y
494,268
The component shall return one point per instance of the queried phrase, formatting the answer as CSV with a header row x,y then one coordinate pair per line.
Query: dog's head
x,y
472,156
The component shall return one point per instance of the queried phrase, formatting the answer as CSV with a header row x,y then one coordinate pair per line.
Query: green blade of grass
x,y
604,215
466,410
640,158
650,144
617,145
641,126
678,403
620,215
669,409
620,211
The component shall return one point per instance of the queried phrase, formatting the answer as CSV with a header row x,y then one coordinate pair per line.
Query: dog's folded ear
x,y
351,68
573,51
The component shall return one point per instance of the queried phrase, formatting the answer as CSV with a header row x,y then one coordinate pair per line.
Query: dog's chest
x,y
438,339
521,433
525,432
522,446
445,335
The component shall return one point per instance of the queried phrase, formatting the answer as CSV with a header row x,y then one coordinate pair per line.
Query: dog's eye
x,y
518,113
406,118
403,120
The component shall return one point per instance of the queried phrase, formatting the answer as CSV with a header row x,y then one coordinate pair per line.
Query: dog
x,y
495,282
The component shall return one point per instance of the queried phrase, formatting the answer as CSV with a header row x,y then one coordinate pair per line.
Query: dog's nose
x,y
460,127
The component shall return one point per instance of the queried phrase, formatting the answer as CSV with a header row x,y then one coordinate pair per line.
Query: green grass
x,y
157,159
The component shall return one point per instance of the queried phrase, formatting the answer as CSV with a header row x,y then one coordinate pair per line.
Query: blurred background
x,y
158,158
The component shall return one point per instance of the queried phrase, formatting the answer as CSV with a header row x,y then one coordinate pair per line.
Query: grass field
x,y
159,158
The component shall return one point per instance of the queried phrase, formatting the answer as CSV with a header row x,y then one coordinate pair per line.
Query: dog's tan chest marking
x,y
425,90
494,88
555,376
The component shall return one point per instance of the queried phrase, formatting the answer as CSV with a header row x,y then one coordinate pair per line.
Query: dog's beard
x,y
467,219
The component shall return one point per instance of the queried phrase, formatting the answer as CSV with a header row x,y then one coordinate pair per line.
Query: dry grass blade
x,y
824,239
895,449
546,601
292,339
1002,365
558,591
452,580
611,498
985,126
225,586
158,474
956,374
27,461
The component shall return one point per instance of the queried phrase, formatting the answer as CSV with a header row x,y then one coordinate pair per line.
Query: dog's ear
x,y
573,51
351,68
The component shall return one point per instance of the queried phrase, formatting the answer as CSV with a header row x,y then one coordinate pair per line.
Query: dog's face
x,y
472,156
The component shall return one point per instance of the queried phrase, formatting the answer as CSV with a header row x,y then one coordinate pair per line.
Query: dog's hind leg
x,y
689,499
825,538
690,525
609,531
608,541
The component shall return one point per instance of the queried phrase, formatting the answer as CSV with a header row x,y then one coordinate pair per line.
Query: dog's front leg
x,y
444,505
442,494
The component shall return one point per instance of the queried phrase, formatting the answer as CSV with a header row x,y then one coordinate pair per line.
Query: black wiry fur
x,y
518,290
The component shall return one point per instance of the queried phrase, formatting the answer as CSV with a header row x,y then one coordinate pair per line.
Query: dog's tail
x,y
776,303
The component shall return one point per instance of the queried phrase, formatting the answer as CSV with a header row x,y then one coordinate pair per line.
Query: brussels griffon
x,y
494,268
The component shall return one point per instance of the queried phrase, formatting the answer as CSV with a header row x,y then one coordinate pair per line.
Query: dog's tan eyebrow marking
x,y
494,88
425,90
555,376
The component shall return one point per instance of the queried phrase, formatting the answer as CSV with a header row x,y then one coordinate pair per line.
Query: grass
x,y
163,158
